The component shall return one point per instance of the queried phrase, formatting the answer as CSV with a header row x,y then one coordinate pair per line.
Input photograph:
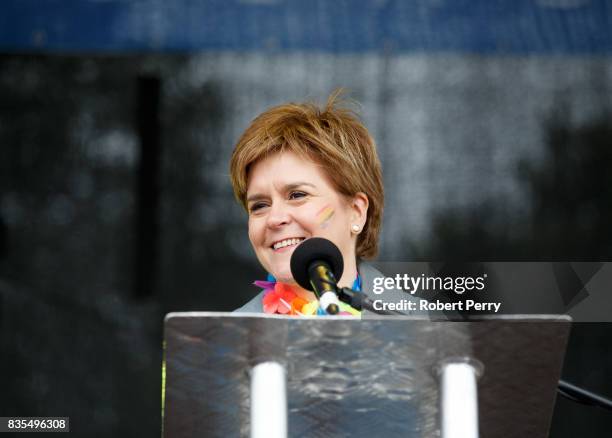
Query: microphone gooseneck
x,y
323,280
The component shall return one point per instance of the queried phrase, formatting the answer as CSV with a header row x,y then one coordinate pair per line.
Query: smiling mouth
x,y
287,242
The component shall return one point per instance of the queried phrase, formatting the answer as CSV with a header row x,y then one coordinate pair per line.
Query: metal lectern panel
x,y
345,377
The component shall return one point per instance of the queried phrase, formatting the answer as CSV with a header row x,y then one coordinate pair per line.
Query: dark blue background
x,y
480,26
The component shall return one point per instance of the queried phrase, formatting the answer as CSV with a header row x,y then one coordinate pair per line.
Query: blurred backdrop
x,y
118,117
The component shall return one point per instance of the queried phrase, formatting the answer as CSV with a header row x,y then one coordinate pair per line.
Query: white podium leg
x,y
459,400
268,401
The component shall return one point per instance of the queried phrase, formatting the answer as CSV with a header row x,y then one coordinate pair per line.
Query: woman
x,y
302,171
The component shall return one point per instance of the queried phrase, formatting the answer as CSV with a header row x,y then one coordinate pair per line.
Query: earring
x,y
355,228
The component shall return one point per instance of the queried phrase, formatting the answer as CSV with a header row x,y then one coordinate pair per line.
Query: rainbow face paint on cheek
x,y
324,216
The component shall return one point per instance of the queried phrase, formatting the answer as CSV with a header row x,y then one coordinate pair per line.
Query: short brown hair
x,y
332,136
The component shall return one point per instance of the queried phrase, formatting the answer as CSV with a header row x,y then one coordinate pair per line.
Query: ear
x,y
359,207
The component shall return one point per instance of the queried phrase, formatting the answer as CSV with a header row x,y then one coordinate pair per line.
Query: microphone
x,y
315,265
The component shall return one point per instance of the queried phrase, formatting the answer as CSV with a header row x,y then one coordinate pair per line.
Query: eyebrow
x,y
286,188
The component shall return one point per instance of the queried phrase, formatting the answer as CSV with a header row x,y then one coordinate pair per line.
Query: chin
x,y
283,275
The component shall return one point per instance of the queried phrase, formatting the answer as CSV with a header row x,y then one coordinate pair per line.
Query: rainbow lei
x,y
285,299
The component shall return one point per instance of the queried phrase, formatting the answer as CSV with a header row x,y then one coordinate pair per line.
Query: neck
x,y
349,274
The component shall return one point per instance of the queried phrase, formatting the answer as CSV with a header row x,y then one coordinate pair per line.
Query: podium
x,y
227,374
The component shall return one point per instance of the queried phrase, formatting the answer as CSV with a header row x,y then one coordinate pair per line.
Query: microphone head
x,y
310,250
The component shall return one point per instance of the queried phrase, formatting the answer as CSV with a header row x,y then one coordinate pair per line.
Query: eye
x,y
296,194
257,206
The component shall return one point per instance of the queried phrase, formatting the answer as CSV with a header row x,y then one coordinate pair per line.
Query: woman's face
x,y
290,199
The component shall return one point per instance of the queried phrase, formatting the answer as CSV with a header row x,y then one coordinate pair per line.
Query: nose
x,y
279,215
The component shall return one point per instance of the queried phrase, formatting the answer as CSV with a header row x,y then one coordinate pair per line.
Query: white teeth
x,y
287,242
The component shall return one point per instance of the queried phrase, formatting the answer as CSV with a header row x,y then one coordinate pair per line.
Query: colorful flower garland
x,y
285,299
